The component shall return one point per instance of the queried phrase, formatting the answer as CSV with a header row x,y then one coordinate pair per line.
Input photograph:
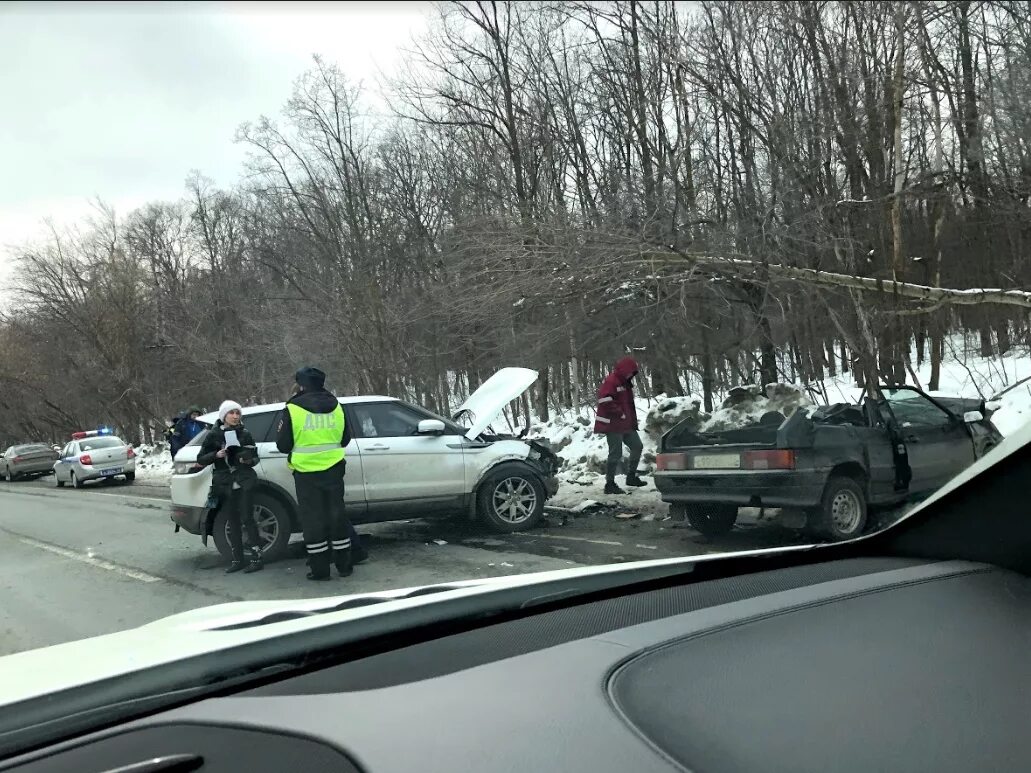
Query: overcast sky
x,y
123,100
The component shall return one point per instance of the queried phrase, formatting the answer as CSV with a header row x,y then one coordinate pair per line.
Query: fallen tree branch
x,y
937,296
1010,388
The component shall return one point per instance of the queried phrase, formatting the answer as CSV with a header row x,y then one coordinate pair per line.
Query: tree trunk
x,y
706,370
543,386
937,352
574,365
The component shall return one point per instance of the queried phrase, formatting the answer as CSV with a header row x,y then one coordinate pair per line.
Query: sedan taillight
x,y
86,459
671,461
768,460
130,453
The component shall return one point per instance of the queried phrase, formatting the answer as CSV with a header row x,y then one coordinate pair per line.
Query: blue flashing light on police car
x,y
92,433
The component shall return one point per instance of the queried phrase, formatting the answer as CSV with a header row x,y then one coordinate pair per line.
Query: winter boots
x,y
610,478
253,563
318,563
632,479
343,559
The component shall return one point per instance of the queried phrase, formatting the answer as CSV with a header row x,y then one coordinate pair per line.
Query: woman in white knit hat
x,y
230,447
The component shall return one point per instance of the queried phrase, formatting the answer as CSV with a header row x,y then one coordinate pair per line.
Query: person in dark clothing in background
x,y
313,431
186,429
617,420
230,447
170,433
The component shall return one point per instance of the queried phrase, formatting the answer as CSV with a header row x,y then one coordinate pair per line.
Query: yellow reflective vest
x,y
317,439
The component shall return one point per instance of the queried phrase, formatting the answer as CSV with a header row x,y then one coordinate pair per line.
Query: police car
x,y
95,455
402,462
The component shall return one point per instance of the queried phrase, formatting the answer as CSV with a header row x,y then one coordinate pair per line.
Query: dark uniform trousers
x,y
327,531
238,504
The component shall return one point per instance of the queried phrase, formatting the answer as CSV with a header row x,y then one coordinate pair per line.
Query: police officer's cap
x,y
310,378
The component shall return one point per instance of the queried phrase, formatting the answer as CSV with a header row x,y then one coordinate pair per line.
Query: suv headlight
x,y
182,468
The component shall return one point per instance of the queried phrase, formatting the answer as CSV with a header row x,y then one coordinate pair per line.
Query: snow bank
x,y
670,411
746,405
153,463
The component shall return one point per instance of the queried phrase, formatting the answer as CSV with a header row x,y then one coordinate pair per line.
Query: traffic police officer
x,y
313,432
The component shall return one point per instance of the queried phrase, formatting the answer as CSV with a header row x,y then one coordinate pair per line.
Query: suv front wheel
x,y
274,527
511,498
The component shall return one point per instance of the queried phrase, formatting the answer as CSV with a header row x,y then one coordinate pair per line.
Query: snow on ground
x,y
153,464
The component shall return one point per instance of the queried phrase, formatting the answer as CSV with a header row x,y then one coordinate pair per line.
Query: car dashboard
x,y
856,664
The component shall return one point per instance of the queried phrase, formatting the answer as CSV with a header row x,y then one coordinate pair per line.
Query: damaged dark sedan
x,y
830,463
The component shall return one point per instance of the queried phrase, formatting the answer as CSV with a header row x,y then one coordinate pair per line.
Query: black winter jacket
x,y
238,464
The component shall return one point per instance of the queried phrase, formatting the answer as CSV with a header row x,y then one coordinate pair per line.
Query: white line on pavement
x,y
35,491
86,559
573,539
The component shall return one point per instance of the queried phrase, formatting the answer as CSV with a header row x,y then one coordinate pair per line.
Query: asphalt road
x,y
79,563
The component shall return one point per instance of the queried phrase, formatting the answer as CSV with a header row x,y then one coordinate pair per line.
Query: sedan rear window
x,y
31,449
92,444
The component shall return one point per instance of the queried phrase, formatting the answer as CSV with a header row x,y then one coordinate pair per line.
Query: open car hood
x,y
484,405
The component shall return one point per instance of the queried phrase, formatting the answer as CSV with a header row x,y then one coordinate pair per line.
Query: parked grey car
x,y
93,456
30,460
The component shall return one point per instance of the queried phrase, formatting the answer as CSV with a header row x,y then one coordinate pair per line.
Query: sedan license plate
x,y
111,471
717,462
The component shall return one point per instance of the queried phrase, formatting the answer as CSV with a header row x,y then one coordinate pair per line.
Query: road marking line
x,y
647,547
97,562
34,491
574,539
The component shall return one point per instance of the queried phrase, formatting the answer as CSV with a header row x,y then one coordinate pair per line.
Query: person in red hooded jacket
x,y
617,420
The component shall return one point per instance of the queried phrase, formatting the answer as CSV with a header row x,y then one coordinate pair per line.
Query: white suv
x,y
402,462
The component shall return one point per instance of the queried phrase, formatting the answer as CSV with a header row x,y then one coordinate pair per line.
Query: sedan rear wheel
x,y
842,515
76,483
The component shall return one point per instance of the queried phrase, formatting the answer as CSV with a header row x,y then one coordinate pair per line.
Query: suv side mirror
x,y
972,417
431,427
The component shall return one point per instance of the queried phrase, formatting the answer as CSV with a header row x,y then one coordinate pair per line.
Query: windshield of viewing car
x,y
727,276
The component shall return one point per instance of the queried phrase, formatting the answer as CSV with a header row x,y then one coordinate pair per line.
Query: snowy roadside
x,y
153,465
